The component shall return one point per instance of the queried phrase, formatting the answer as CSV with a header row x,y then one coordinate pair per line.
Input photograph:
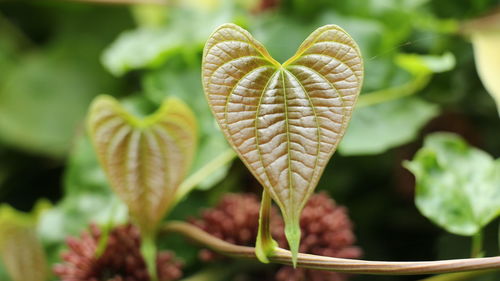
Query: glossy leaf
x,y
458,186
284,120
391,124
145,160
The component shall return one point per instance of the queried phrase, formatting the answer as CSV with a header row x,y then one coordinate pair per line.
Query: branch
x,y
333,264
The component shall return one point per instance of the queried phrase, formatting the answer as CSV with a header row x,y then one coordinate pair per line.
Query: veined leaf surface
x,y
145,160
284,120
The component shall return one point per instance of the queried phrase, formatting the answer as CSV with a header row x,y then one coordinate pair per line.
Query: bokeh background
x,y
56,56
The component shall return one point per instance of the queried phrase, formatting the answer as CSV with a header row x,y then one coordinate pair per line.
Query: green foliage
x,y
34,96
3,274
150,46
87,198
416,68
377,128
458,186
45,91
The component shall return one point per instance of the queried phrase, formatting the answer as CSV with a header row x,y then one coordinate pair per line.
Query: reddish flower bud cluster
x,y
326,230
120,261
235,219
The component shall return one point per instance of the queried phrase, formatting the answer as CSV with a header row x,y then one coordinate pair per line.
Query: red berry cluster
x,y
326,230
120,261
235,219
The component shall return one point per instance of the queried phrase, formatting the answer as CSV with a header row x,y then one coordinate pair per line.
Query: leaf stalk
x,y
265,245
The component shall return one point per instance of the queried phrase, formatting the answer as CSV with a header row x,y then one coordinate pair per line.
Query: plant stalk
x,y
397,92
193,180
148,250
282,256
265,245
477,245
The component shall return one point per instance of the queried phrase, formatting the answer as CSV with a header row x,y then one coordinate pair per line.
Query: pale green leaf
x,y
149,46
284,120
458,186
377,128
145,159
419,64
42,100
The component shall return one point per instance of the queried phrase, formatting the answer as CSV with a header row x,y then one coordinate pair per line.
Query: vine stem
x,y
211,167
394,93
333,264
477,245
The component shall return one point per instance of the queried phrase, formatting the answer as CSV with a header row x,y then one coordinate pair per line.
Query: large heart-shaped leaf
x,y
144,159
284,120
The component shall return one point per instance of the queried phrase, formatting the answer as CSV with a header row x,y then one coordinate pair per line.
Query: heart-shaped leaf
x,y
145,160
20,249
284,120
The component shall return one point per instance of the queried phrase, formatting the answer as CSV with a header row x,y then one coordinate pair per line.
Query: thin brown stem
x,y
333,264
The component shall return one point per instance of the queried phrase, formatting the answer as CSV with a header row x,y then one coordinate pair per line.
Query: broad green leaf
x,y
284,120
458,186
421,68
145,159
377,128
149,46
45,89
20,250
42,101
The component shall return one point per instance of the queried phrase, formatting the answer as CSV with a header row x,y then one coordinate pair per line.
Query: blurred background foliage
x,y
420,77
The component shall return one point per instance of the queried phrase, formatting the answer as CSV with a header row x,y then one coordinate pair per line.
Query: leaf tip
x,y
292,233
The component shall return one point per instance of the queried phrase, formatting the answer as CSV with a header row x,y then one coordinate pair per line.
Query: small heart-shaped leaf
x,y
20,249
145,160
284,120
